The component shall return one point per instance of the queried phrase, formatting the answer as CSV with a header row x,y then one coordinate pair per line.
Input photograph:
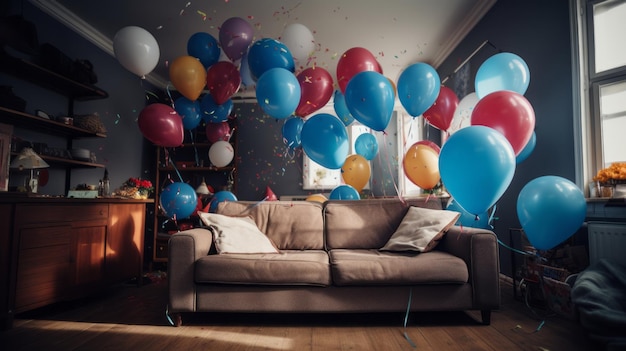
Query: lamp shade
x,y
28,159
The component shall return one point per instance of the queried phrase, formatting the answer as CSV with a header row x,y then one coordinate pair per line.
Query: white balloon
x,y
463,114
299,40
221,153
136,50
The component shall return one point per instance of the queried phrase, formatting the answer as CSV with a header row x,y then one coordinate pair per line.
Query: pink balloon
x,y
441,113
162,125
235,37
353,61
316,86
223,80
509,113
218,131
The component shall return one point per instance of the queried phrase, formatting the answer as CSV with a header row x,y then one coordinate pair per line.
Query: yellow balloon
x,y
317,198
421,166
356,171
188,75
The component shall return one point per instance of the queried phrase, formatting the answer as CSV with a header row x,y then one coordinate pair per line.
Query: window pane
x,y
613,116
609,26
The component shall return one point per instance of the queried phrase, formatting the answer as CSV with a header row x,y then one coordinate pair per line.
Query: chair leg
x,y
486,316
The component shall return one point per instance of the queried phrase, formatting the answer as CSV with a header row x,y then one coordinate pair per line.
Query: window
x,y
604,65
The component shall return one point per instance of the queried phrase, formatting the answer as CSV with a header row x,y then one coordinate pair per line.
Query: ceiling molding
x,y
78,25
472,19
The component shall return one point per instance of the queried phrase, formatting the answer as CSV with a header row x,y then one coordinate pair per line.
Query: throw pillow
x,y
236,234
421,229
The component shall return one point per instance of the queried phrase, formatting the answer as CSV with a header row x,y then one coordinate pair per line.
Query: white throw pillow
x,y
236,234
421,229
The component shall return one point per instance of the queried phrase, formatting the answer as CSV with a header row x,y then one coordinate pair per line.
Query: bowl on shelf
x,y
81,154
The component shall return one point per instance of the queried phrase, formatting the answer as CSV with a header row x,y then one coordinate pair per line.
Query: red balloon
x,y
217,131
354,61
440,114
162,125
316,86
223,80
509,113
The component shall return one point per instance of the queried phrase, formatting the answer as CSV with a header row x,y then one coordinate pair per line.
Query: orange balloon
x,y
356,171
188,76
317,198
421,166
393,86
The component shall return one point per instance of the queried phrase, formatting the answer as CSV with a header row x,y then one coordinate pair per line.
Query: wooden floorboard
x,y
129,317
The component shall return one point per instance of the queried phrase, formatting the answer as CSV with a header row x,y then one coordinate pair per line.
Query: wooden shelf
x,y
32,122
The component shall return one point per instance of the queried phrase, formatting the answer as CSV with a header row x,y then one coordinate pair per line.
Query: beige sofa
x,y
329,261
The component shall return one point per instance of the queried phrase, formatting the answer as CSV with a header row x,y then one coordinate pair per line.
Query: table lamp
x,y
28,159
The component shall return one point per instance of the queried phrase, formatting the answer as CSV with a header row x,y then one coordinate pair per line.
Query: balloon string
x,y
177,172
232,131
195,148
393,180
169,94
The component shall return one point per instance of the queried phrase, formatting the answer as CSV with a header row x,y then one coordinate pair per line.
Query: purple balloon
x,y
235,37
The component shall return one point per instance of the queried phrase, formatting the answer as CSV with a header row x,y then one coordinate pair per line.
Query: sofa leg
x,y
486,316
177,318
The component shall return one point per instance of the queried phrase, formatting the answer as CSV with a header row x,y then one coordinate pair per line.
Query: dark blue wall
x,y
539,32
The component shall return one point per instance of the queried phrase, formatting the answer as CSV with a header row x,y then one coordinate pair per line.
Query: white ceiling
x,y
397,32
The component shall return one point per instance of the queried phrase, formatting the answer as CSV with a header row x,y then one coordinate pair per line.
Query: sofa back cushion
x,y
291,225
367,224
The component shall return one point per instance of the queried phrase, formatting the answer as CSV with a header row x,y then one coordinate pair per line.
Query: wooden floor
x,y
133,318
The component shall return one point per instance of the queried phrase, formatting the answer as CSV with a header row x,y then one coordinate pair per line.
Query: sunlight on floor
x,y
248,339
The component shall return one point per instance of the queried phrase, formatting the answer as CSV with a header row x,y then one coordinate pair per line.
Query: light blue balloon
x,y
178,200
418,87
550,210
204,47
370,99
325,140
366,145
344,192
214,113
268,53
292,130
244,71
477,164
467,219
527,150
278,93
220,196
503,71
189,111
341,109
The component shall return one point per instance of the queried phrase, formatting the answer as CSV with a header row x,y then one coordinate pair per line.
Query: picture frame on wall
x,y
6,132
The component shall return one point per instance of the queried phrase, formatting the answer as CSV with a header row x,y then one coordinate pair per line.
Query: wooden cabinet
x,y
190,162
62,249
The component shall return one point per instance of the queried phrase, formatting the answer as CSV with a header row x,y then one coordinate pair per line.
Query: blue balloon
x,y
550,210
292,130
214,113
204,47
503,71
278,92
370,99
244,70
469,220
189,111
341,109
268,53
366,145
418,88
527,150
477,164
221,196
344,192
325,140
178,200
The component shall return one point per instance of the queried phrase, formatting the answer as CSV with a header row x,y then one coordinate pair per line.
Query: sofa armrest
x,y
184,249
479,249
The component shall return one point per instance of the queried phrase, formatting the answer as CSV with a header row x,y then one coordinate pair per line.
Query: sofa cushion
x,y
289,267
373,267
421,229
367,224
236,234
291,225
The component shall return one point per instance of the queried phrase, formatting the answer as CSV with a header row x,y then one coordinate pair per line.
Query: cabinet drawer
x,y
31,238
36,213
